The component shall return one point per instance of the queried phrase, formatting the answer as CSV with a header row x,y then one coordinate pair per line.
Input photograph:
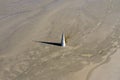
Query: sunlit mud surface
x,y
92,29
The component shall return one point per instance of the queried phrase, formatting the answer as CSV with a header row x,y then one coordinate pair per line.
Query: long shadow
x,y
50,43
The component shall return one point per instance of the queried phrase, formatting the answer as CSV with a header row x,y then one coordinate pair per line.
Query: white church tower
x,y
63,41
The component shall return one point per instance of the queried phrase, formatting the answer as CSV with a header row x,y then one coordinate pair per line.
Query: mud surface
x,y
92,28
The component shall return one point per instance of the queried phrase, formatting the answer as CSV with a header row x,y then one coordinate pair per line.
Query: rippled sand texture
x,y
92,29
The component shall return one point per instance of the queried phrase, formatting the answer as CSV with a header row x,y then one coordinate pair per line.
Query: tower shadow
x,y
49,43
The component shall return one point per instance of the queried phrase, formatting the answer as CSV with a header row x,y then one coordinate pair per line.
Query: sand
x,y
109,70
92,29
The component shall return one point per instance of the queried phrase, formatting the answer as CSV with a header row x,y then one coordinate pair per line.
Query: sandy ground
x,y
108,71
92,28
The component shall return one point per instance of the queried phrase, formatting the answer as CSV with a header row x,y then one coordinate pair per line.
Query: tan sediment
x,y
86,72
106,60
24,24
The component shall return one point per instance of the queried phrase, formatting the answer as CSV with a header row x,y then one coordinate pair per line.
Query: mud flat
x,y
92,29
109,70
